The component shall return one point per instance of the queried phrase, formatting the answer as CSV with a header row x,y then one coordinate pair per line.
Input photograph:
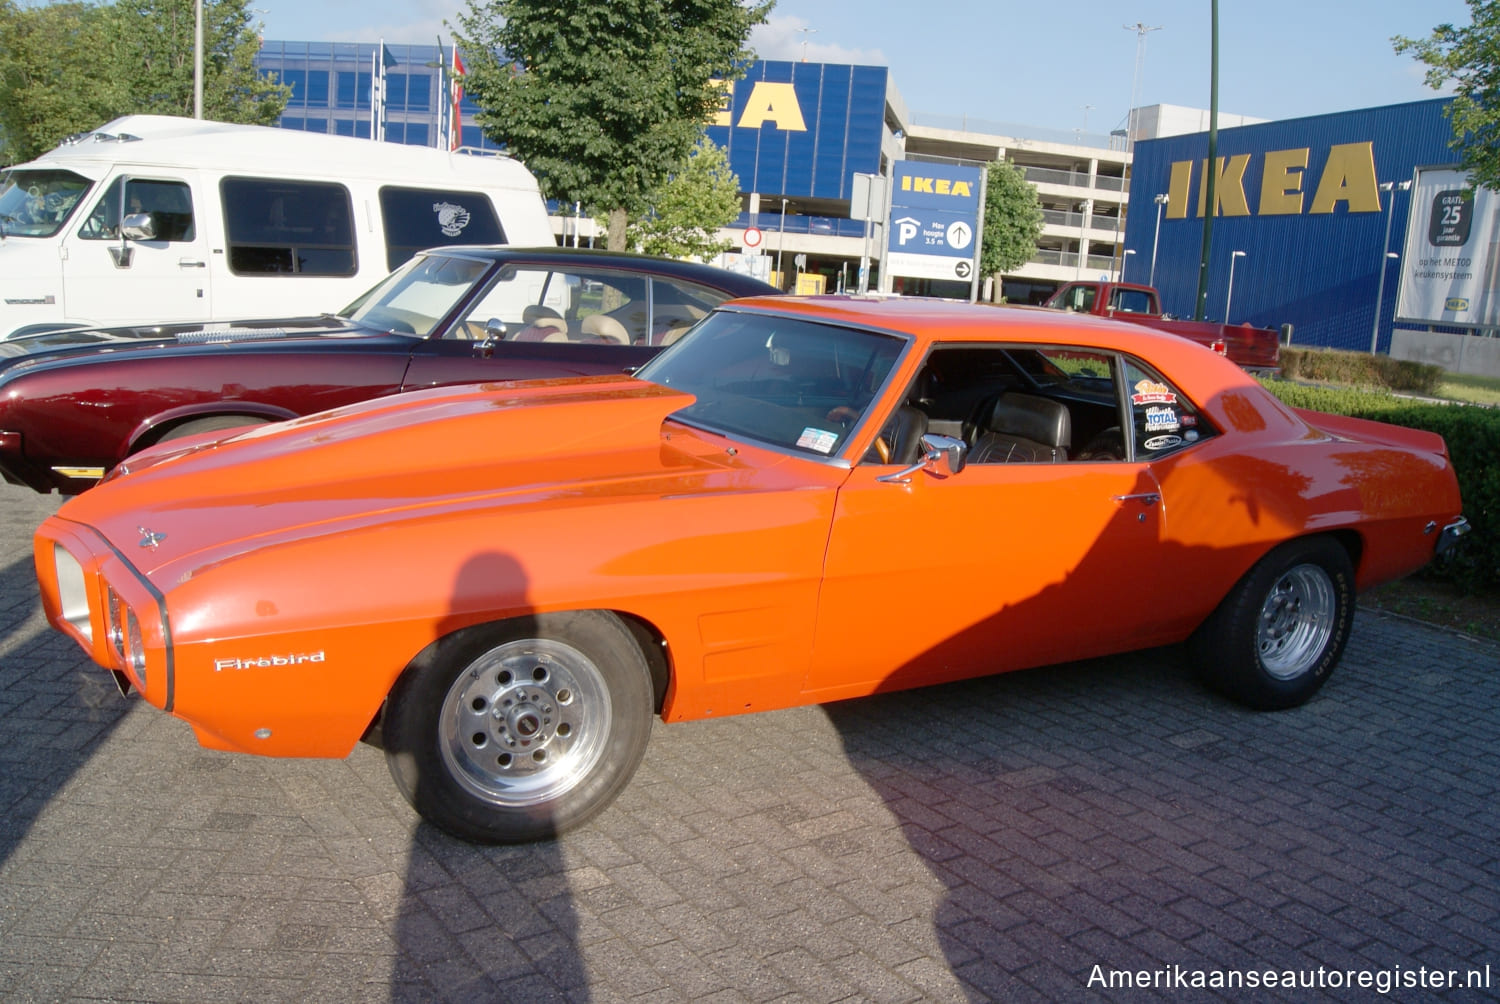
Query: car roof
x,y
929,319
734,283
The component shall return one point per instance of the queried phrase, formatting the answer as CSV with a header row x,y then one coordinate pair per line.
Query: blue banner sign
x,y
934,221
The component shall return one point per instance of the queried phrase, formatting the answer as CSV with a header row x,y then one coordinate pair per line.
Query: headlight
x,y
125,637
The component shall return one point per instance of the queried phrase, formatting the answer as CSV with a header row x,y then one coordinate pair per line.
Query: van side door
x,y
110,278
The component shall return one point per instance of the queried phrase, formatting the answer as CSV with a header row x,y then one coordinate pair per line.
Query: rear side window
x,y
420,218
279,227
1162,419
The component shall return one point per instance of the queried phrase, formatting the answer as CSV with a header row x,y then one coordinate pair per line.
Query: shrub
x,y
1473,437
1359,369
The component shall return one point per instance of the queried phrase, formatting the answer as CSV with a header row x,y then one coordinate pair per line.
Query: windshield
x,y
415,297
794,384
37,203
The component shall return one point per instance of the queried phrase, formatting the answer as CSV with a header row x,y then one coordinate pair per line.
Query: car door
x,y
109,280
1008,563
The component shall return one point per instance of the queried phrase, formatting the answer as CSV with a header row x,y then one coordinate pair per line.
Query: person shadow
x,y
486,923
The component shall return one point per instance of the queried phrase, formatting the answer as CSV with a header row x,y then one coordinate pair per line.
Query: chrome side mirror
x,y
945,451
139,227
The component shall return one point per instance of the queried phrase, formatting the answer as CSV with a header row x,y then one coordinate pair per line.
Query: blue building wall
x,y
791,130
1320,271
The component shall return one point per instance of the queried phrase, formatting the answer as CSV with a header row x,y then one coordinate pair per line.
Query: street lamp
x,y
1160,200
805,33
781,243
198,59
1125,261
1385,255
1230,295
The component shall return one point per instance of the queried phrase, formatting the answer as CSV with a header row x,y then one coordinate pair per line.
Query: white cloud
x,y
782,38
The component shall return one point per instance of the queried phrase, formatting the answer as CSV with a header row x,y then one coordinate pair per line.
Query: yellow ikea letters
x,y
1347,176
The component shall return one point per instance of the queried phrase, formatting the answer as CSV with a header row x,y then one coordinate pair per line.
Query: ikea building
x,y
1310,222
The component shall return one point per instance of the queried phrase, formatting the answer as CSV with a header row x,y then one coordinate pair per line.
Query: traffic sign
x,y
753,237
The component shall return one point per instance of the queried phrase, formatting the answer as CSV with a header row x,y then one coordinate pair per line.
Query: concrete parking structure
x,y
1043,835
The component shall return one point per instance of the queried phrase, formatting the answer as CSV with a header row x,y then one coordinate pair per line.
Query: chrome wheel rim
x,y
1296,621
525,722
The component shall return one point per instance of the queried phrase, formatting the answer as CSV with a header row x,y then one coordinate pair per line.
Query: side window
x,y
1162,420
420,218
168,203
279,227
677,305
562,305
1132,301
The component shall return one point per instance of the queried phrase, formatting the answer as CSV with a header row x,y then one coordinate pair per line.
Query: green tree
x,y
156,52
1012,219
54,74
70,67
688,209
602,99
1470,57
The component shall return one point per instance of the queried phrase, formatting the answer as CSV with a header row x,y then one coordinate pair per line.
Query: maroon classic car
x,y
74,404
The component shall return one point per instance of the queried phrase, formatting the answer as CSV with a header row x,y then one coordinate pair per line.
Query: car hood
x,y
430,454
90,341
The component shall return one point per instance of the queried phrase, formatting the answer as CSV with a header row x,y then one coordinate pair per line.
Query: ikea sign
x,y
934,224
802,130
1344,176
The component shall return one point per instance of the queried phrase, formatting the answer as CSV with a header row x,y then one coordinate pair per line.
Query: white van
x,y
152,218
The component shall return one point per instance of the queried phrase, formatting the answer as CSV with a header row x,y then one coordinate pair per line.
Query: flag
x,y
380,60
456,121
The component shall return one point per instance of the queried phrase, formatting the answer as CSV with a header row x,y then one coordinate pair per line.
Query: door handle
x,y
1144,498
191,263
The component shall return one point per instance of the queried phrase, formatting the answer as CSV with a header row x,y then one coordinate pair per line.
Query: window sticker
x,y
817,439
1188,421
1162,442
1151,392
1162,420
451,219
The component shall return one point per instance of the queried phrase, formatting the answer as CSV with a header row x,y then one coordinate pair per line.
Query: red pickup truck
x,y
1250,347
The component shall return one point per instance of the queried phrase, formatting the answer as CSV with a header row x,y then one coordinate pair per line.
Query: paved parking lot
x,y
1027,837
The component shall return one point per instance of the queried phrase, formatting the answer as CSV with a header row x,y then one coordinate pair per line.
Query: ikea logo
x,y
768,102
1456,303
1347,176
936,186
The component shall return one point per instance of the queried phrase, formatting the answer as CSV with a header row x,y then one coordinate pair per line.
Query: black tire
x,y
213,423
1276,637
520,730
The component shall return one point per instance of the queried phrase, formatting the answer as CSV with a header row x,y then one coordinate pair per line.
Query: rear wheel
x,y
1276,637
520,730
213,423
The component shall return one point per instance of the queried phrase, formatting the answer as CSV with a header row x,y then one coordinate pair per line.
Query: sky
x,y
1068,65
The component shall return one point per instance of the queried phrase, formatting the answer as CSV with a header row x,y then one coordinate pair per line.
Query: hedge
x,y
1359,369
1473,437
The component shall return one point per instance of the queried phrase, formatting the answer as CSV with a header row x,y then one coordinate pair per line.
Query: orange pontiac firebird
x,y
805,500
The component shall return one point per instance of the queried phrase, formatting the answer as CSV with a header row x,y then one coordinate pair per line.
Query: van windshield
x,y
36,203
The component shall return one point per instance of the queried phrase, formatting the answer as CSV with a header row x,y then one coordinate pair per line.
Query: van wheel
x,y
520,730
1276,637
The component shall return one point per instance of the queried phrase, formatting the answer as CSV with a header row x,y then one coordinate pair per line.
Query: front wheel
x,y
519,731
1276,637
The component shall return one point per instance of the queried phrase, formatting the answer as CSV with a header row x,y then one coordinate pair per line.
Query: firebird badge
x,y
150,538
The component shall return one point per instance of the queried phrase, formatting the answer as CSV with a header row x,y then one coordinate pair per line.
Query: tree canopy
x,y
1012,219
602,99
70,67
1470,58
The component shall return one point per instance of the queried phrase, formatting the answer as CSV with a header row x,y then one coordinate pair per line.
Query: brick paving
x,y
993,840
